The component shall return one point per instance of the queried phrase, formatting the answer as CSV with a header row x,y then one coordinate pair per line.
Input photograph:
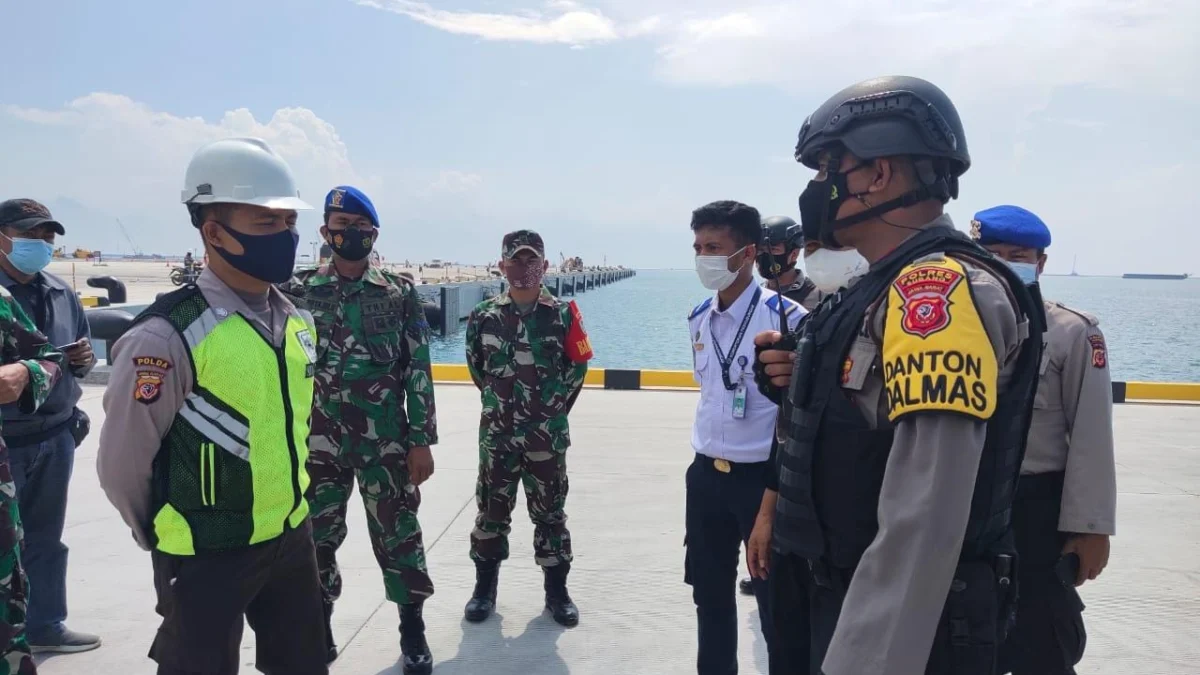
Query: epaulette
x,y
773,303
397,277
936,256
700,308
1091,319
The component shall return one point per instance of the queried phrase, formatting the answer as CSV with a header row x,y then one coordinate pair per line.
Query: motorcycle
x,y
186,275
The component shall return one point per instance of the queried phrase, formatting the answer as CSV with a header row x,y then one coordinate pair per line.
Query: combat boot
x,y
331,652
483,600
414,650
557,601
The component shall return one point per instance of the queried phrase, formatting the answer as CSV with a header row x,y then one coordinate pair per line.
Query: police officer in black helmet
x,y
910,394
777,260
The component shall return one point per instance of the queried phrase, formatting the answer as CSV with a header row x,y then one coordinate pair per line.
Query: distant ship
x,y
1171,277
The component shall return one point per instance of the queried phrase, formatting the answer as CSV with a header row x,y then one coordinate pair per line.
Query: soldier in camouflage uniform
x,y
527,353
373,357
31,367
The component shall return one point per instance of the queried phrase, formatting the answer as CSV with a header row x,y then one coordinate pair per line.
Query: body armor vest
x,y
832,466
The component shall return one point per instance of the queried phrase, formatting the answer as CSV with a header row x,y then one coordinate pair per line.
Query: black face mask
x,y
352,244
819,204
266,257
767,260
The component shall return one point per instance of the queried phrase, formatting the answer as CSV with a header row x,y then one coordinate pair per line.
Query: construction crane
x,y
136,251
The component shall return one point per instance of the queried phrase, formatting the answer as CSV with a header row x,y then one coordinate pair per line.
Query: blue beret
x,y
351,200
1010,225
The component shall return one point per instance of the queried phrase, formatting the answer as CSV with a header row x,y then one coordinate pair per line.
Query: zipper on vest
x,y
204,475
208,475
288,419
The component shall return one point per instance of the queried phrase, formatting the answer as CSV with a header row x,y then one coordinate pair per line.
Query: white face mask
x,y
713,270
1027,271
831,270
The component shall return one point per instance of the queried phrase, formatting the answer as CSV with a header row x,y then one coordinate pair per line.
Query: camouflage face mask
x,y
524,274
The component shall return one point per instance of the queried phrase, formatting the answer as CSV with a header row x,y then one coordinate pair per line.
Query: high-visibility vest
x,y
230,471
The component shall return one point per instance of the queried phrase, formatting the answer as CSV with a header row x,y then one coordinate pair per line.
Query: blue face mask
x,y
1027,271
30,256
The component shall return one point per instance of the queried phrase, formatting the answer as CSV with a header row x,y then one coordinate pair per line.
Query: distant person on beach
x,y
205,438
41,443
1066,504
527,353
373,418
188,261
888,545
734,426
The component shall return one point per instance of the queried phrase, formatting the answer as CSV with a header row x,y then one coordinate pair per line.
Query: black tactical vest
x,y
832,465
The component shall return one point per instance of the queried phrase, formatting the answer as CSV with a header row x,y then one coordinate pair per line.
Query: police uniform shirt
x,y
1072,427
152,356
809,300
716,432
897,594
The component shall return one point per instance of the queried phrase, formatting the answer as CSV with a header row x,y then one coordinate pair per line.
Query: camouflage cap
x,y
522,239
25,214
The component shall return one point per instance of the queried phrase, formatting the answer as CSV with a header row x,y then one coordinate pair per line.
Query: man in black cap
x,y
910,394
41,443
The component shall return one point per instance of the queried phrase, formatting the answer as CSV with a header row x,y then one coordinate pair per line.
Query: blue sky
x,y
600,123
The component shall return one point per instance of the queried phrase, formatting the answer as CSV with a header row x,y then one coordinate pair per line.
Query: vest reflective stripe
x,y
220,427
231,470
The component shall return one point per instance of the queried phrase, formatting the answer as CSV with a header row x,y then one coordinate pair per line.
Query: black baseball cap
x,y
25,214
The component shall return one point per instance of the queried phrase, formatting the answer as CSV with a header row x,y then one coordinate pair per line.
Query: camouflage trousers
x,y
504,463
391,501
17,659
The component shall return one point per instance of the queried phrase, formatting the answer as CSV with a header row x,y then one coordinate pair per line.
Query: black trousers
x,y
806,600
1049,637
204,598
804,603
721,508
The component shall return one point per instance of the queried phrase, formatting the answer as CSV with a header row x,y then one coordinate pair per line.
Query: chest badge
x,y
305,338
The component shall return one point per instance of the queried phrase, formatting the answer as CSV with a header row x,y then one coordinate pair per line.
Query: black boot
x,y
483,600
747,586
557,601
413,648
331,652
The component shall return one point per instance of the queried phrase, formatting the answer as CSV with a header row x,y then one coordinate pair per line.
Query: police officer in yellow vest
x,y
206,419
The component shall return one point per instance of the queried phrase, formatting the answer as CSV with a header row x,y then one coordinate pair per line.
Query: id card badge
x,y
739,400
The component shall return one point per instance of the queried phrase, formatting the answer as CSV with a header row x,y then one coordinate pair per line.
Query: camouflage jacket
x,y
520,364
21,342
372,357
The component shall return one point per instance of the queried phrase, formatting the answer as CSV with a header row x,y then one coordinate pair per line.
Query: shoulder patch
x,y
698,309
1099,351
773,302
936,353
151,370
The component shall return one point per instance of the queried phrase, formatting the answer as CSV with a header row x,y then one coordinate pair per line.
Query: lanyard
x,y
726,360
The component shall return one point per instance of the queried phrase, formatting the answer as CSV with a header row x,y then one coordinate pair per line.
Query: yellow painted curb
x,y
1162,391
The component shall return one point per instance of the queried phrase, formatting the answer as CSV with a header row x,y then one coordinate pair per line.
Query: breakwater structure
x,y
446,305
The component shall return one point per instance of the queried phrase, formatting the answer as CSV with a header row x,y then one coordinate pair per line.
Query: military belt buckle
x,y
722,465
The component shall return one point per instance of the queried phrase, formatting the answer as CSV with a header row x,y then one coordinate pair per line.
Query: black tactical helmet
x,y
781,230
890,116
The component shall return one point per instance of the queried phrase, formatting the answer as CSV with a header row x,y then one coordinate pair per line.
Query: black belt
x,y
1047,485
726,466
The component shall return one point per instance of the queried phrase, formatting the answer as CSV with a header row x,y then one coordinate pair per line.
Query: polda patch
x,y
148,387
1099,351
925,293
152,362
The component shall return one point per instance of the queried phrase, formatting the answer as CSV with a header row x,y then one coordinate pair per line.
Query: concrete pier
x,y
627,462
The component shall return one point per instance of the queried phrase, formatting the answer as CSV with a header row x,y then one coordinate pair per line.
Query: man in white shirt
x,y
734,424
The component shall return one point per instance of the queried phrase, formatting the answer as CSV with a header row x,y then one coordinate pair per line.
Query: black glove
x,y
761,379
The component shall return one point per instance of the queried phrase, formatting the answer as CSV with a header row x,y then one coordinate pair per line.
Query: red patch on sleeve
x,y
926,294
1099,351
148,387
579,347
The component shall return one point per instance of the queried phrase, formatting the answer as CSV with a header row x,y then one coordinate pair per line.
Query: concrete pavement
x,y
626,519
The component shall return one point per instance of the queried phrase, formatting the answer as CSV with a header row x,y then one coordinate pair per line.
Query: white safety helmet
x,y
240,171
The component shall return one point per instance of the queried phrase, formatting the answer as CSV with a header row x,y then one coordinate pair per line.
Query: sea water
x,y
1152,327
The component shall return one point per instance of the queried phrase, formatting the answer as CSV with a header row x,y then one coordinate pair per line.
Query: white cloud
x,y
118,154
455,182
570,23
975,49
